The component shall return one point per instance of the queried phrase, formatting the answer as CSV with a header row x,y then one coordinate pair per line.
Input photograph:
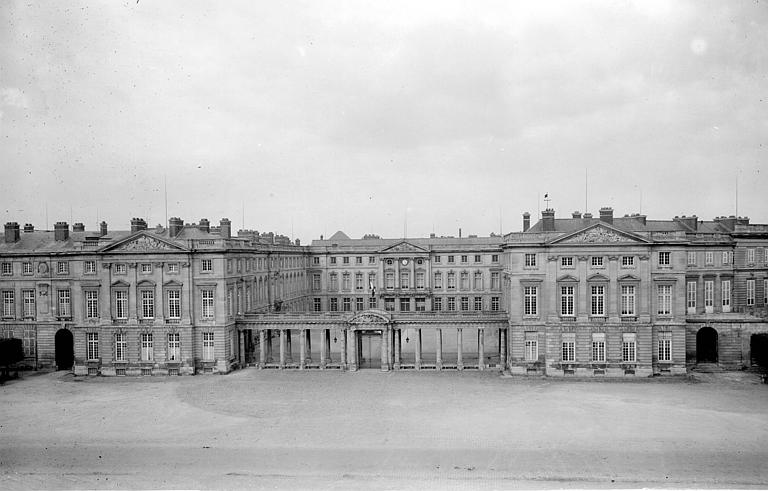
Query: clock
x,y
404,262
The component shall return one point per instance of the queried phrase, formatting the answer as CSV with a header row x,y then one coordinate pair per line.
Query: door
x,y
65,350
706,345
369,349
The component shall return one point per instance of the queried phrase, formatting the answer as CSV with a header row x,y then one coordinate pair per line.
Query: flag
x,y
546,195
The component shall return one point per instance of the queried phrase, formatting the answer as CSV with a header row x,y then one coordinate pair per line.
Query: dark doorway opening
x,y
65,349
706,345
759,348
369,349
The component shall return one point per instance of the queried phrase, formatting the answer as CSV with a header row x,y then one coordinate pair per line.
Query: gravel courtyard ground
x,y
373,430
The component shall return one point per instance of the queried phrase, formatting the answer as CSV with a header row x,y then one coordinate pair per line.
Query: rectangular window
x,y
495,281
389,304
478,280
421,305
405,305
531,346
174,304
750,256
359,260
333,260
664,258
530,297
438,281
627,261
464,280
664,294
725,286
207,304
346,259
405,279
146,268
598,347
346,304
665,346
359,303
92,304
765,292
93,345
566,262
65,303
7,268
478,304
121,304
451,280
174,267
437,304
334,305
317,305
147,304
597,261
628,300
530,260
450,260
206,265
726,257
372,303
463,258
419,280
691,258
372,282
147,351
174,347
494,258
569,347
28,297
26,268
9,304
597,293
750,292
628,348
451,304
62,267
464,304
690,295
390,280
358,281
208,346
437,259
371,259
709,258
566,301
494,304
346,282
120,268
334,282
316,282
89,267
119,347
709,296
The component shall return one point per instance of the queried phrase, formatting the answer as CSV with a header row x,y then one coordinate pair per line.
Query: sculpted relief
x,y
145,243
598,235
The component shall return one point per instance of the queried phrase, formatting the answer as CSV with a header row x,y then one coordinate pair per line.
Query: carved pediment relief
x,y
598,234
370,317
120,284
567,278
143,243
404,247
597,277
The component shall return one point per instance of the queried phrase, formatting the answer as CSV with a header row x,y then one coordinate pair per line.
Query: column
x,y
262,348
344,349
439,348
481,349
302,349
417,347
282,348
398,339
384,356
269,346
309,345
241,340
503,336
327,343
352,347
390,333
288,356
459,343
323,348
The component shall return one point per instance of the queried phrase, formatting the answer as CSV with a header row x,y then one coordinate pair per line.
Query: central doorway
x,y
65,349
706,345
369,349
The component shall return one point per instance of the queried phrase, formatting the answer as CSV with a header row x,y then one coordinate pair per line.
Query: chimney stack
x,y
11,232
641,218
205,225
576,214
587,215
548,220
526,221
138,224
61,231
103,229
606,215
28,227
175,224
78,227
690,222
225,229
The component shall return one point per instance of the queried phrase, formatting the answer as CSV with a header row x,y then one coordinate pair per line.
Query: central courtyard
x,y
373,430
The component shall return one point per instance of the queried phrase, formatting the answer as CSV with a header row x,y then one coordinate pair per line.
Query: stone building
x,y
582,295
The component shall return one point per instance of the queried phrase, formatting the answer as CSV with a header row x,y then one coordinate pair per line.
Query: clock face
x,y
404,262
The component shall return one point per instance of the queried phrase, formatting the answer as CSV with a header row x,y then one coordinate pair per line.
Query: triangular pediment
x,y
143,242
404,246
599,233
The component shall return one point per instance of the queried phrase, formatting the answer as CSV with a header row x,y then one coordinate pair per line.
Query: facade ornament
x,y
613,258
583,258
42,268
552,258
599,234
145,243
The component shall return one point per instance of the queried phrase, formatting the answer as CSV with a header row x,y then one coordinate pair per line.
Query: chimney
x,y
459,232
11,232
587,216
103,229
78,227
641,218
606,215
138,224
28,227
297,242
548,220
205,225
742,221
526,221
690,222
175,224
225,229
576,214
61,231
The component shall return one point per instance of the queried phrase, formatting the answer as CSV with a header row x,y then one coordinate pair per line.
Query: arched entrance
x,y
706,345
369,348
758,346
65,349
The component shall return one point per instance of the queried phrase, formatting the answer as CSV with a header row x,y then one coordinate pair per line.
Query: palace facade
x,y
582,295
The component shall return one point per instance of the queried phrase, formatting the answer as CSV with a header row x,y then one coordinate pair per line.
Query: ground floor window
x,y
147,351
598,347
569,347
629,347
29,342
208,346
531,346
93,345
174,347
119,347
665,346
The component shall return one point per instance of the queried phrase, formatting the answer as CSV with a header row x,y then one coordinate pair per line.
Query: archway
x,y
759,348
706,345
65,350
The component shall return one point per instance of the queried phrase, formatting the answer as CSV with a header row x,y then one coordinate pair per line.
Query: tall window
x,y
372,303
147,304
665,346
208,346
174,304
207,304
691,258
598,347
530,260
92,304
495,281
664,258
478,303
750,292
530,298
464,304
119,347
121,304
317,304
628,300
316,282
371,281
334,282
405,279
691,296
451,280
451,304
405,305
346,304
437,304
9,304
390,280
664,294
389,304
531,346
334,305
358,281
359,303
566,301
174,347
727,257
420,280
709,296
725,286
765,292
569,347
65,304
597,295
438,281
750,256
89,267
494,304
147,351
478,280
93,345
29,303
709,258
628,347
7,269
464,280
346,281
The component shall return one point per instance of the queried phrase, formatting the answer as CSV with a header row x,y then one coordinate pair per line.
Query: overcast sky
x,y
319,116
